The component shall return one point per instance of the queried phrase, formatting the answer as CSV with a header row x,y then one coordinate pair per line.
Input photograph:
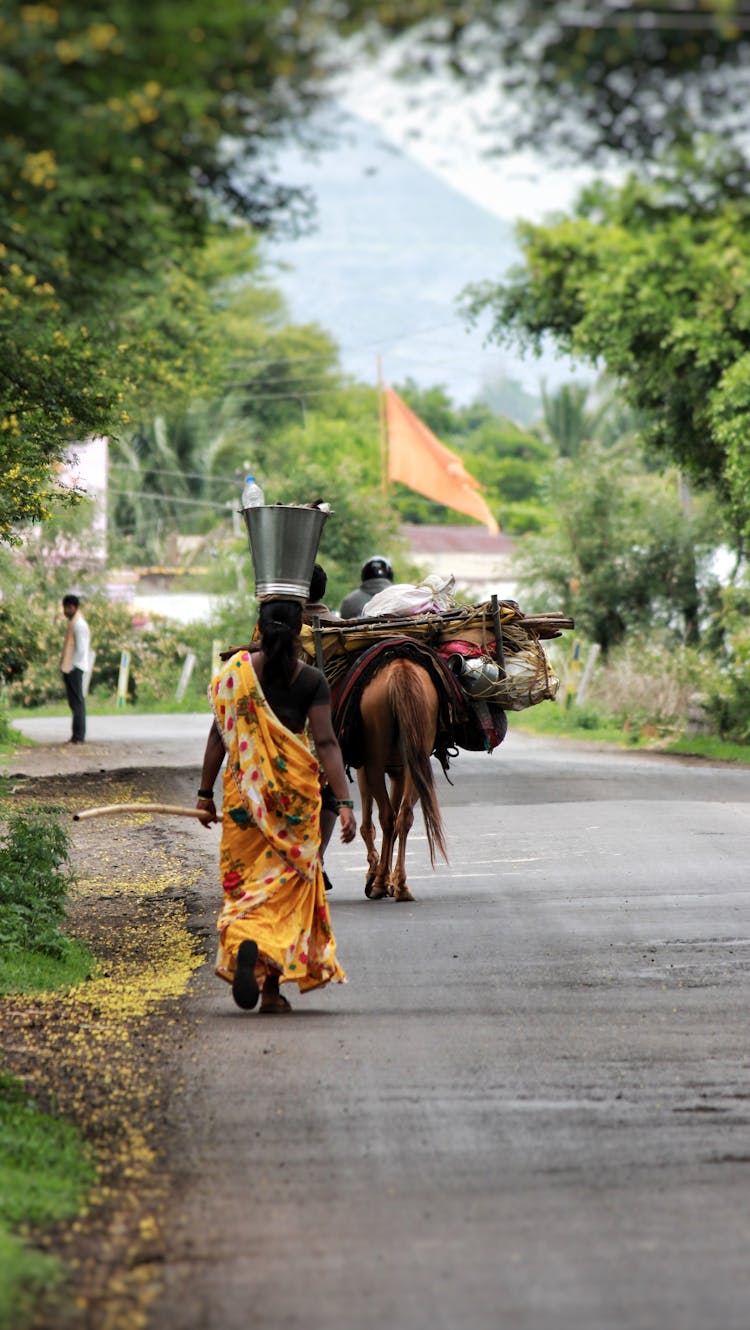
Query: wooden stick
x,y
499,649
171,809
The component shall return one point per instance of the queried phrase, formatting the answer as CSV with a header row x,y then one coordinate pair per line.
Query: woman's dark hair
x,y
279,623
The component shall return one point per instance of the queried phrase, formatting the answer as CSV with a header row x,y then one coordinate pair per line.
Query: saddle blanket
x,y
460,724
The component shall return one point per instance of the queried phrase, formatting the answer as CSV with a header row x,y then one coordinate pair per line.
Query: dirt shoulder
x,y
106,1055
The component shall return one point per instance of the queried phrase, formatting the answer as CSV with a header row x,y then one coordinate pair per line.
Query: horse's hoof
x,y
368,884
377,893
403,894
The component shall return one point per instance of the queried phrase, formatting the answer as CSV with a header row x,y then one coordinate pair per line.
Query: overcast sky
x,y
445,129
371,280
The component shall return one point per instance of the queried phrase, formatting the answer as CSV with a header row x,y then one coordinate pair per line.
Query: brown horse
x,y
399,711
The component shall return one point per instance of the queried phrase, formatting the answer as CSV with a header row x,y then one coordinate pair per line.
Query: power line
x,y
165,471
363,346
171,498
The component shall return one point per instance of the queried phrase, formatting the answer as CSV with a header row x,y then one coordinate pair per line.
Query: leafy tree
x,y
625,555
237,371
567,422
124,131
650,280
123,135
630,77
118,127
576,413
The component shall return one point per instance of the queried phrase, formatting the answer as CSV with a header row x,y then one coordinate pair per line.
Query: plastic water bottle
x,y
252,494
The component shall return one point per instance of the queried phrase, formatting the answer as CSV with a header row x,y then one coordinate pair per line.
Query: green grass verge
x,y
708,746
192,701
23,971
574,723
45,1174
25,1276
583,723
10,738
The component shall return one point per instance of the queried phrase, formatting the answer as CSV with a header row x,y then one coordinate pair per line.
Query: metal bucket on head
x,y
284,541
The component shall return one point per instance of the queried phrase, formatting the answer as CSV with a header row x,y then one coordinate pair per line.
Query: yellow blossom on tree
x,y
45,15
101,35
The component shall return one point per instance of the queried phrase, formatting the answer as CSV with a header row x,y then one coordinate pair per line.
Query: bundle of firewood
x,y
499,628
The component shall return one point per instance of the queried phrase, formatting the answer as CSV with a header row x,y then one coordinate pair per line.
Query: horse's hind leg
x,y
378,886
398,885
398,780
367,829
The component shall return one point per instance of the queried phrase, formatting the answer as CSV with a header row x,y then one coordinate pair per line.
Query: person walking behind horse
x,y
274,926
376,575
74,664
316,607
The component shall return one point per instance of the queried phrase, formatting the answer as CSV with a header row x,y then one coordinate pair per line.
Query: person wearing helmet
x,y
376,575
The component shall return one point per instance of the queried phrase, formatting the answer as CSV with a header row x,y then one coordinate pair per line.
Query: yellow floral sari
x,y
269,858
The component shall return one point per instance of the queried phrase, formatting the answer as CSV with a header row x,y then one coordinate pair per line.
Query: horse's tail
x,y
411,704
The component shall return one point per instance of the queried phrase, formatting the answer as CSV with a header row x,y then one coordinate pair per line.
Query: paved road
x,y
112,742
528,1109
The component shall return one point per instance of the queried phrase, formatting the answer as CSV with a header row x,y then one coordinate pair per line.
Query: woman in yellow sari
x,y
274,926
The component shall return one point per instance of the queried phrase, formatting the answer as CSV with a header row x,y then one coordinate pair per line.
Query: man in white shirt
x,y
74,664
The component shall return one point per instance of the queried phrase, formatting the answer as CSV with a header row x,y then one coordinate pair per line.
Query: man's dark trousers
x,y
77,703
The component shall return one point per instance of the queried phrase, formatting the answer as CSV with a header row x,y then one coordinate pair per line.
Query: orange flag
x,y
418,459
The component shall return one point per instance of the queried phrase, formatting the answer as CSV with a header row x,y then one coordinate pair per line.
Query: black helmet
x,y
377,566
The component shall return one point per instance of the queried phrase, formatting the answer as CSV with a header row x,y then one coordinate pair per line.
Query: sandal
x,y
276,1007
245,989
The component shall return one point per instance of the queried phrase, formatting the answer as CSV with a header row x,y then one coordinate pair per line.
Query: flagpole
x,y
383,431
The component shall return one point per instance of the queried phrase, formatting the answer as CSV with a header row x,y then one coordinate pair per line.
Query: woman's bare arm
x,y
212,760
329,754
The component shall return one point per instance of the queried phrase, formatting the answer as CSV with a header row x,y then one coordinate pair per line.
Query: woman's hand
x,y
212,760
207,806
348,823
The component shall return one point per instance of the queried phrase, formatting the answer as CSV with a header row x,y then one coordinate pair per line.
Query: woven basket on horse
x,y
521,676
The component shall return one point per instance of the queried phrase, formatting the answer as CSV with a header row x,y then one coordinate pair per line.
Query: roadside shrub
x,y
112,632
727,699
24,636
646,682
522,518
588,718
35,879
31,655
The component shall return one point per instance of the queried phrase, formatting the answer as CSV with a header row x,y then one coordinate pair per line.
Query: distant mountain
x,y
392,248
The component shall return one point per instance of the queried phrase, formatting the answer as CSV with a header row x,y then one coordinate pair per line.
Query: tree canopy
x,y
625,555
127,132
651,281
630,77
